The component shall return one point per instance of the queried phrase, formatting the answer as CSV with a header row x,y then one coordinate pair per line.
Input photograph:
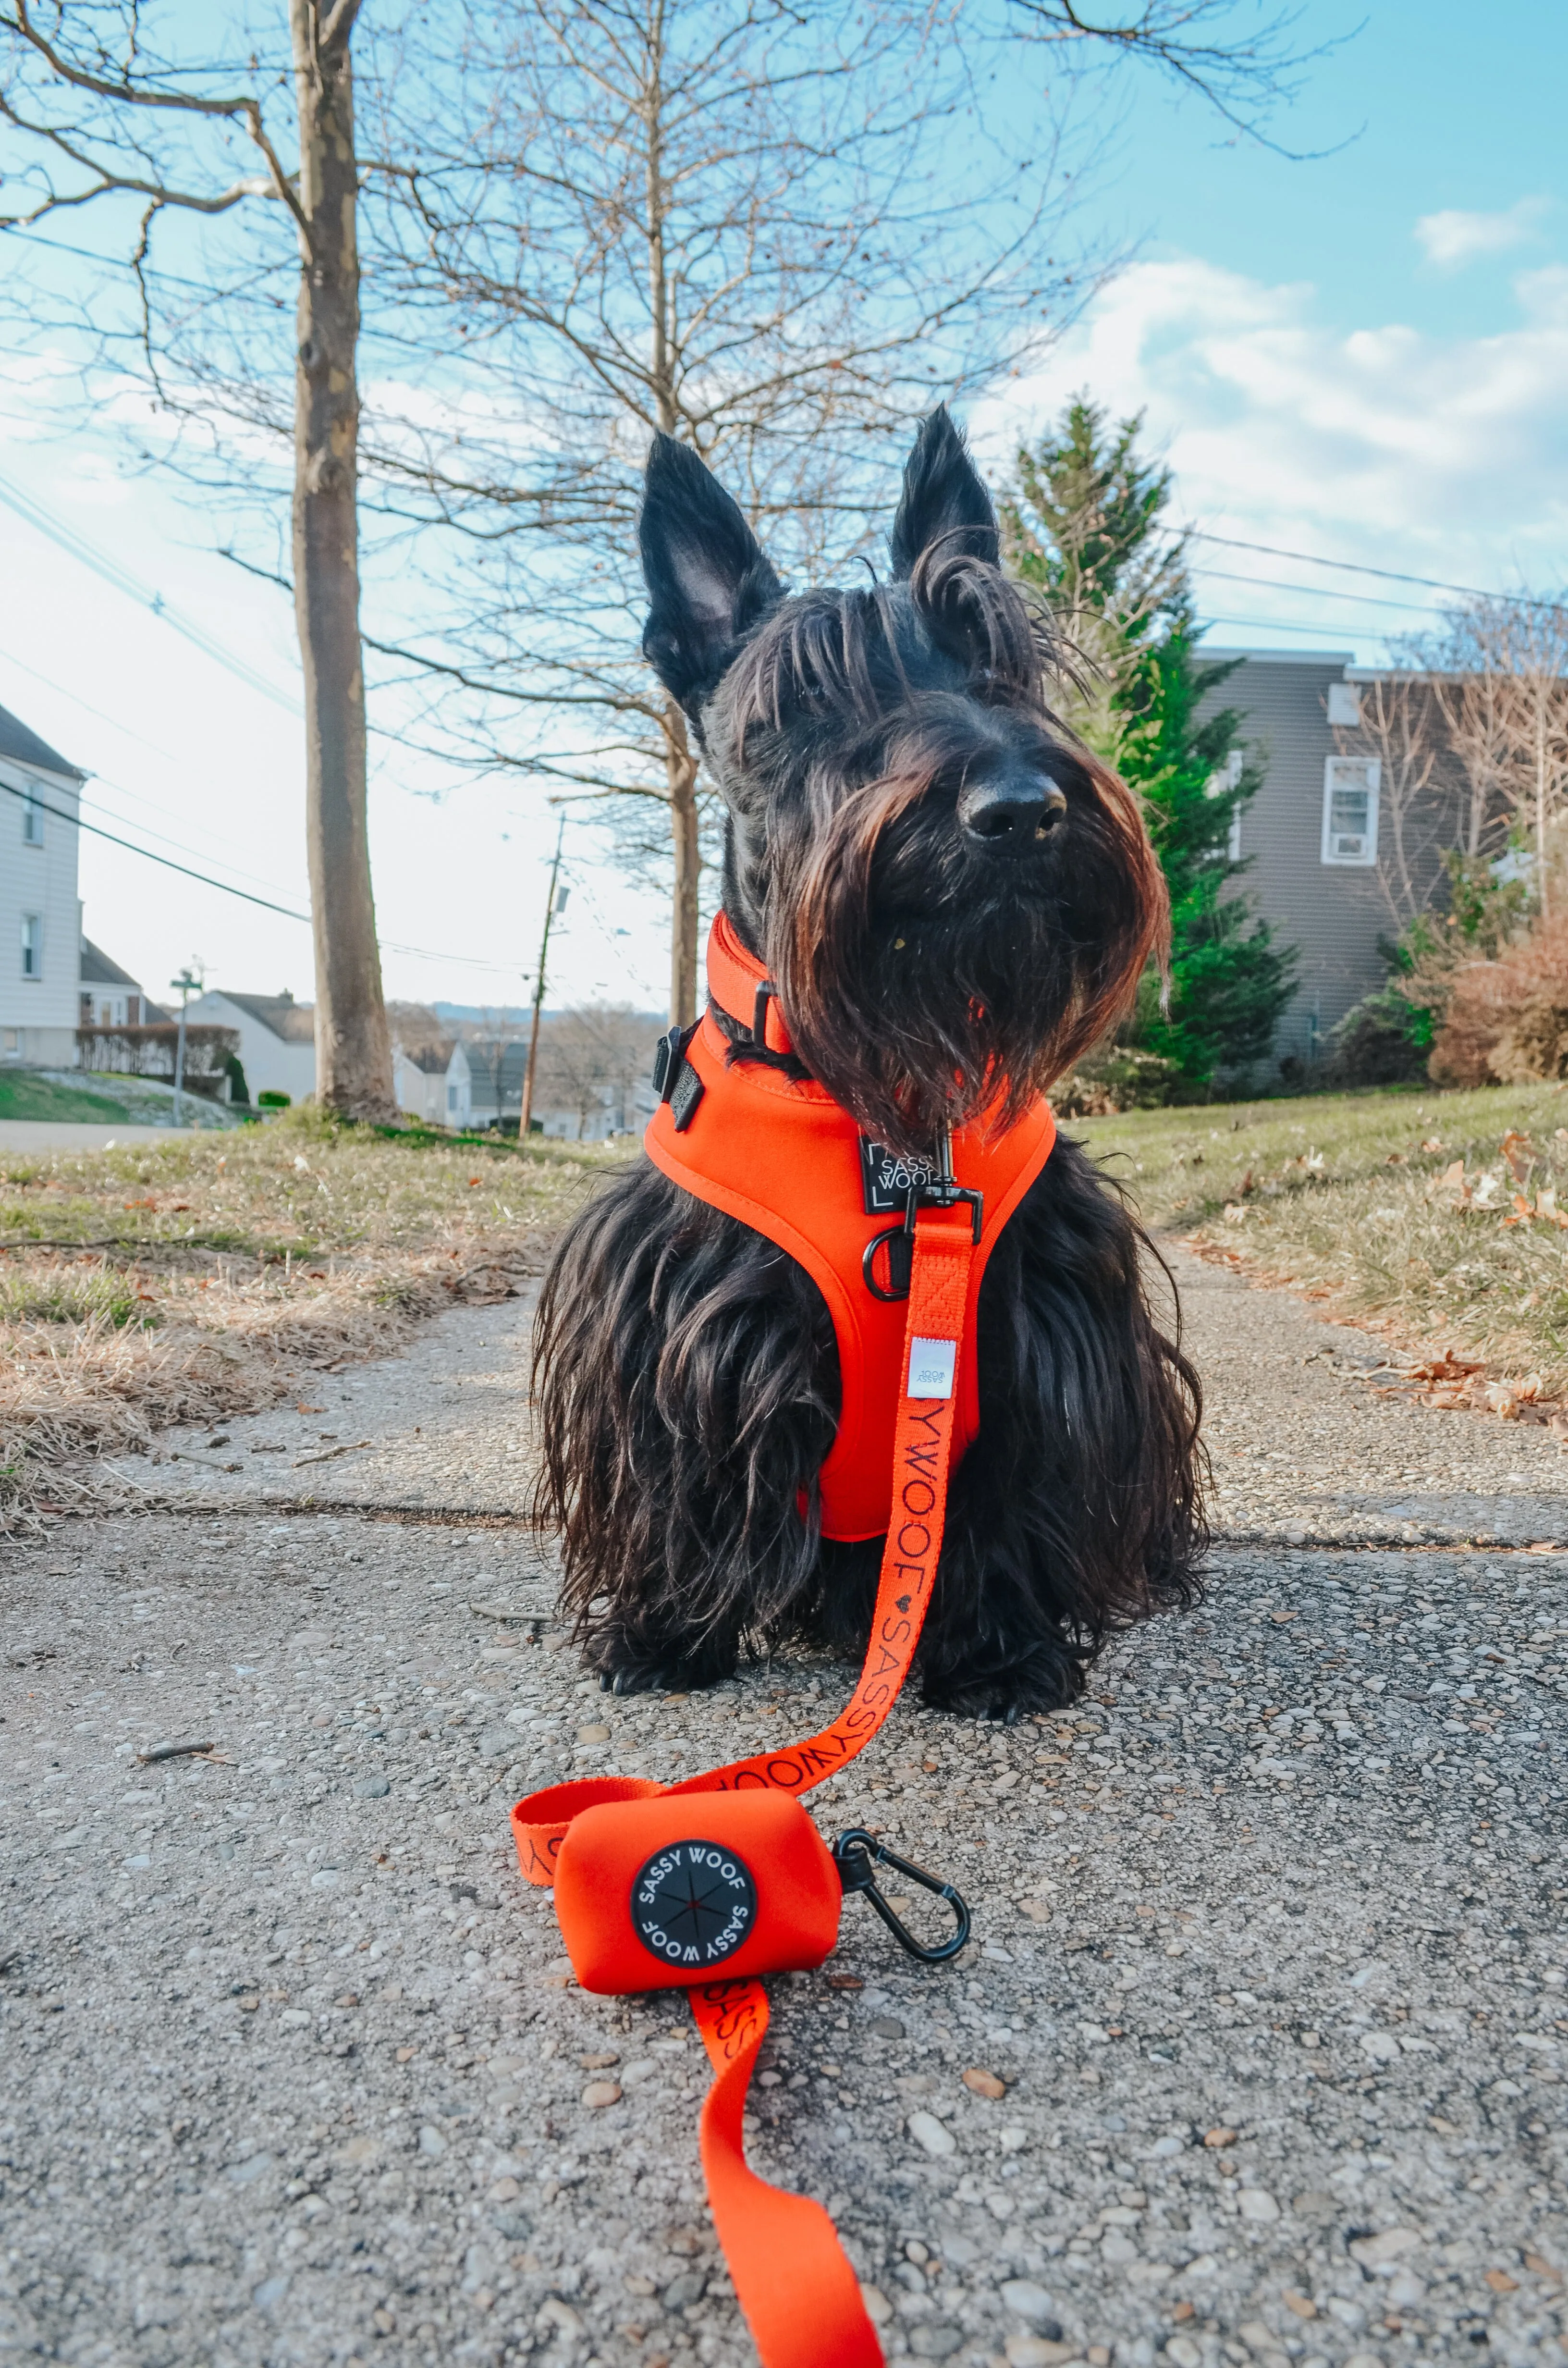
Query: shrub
x,y
1117,1077
1384,1040
271,1098
1506,1020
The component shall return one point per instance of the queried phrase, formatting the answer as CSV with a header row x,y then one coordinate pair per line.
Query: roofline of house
x,y
1281,657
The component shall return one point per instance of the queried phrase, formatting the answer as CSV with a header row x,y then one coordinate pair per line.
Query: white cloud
x,y
1443,456
1452,238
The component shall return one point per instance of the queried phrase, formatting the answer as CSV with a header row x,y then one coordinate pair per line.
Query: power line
x,y
31,797
424,954
1318,591
88,709
77,547
1270,625
1353,567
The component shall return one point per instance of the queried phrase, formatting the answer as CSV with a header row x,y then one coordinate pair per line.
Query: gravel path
x,y
1265,2008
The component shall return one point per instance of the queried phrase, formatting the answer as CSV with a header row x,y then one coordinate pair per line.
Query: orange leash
x,y
645,1900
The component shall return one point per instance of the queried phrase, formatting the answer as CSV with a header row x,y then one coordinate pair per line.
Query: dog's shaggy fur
x,y
956,898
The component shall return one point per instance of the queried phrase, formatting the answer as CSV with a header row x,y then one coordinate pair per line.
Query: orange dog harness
x,y
777,1152
708,1884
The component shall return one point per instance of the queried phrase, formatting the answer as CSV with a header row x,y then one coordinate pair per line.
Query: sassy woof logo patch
x,y
694,1904
886,1176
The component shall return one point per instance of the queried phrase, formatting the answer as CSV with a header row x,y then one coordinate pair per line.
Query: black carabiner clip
x,y
857,1855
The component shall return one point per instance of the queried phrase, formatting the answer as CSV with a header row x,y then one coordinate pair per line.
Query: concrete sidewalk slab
x,y
1269,1965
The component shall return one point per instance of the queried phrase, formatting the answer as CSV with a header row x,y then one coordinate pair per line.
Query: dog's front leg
x,y
1078,1509
684,1372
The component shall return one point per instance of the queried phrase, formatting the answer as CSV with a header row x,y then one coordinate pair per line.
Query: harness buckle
x,y
857,1855
669,1054
765,992
938,1191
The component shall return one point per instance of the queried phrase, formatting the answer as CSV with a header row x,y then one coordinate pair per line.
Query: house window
x,y
1345,704
32,945
451,1098
1351,810
1230,777
32,819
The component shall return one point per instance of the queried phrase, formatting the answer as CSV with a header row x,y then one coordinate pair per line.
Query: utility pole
x,y
525,1115
186,986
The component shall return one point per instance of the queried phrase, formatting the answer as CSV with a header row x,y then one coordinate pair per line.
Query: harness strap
x,y
793,2280
738,985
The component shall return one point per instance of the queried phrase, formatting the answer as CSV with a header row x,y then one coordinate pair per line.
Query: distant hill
x,y
496,1019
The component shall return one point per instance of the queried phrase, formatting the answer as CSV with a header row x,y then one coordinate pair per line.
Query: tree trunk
x,y
680,774
353,1047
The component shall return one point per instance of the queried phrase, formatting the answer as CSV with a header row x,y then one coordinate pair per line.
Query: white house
x,y
433,1083
41,919
110,997
277,1039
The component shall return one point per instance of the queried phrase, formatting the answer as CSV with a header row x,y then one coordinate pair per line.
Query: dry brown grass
x,y
1432,1216
183,1280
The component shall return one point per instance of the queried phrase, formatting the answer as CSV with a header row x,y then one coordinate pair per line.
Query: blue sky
x,y
1359,355
1362,357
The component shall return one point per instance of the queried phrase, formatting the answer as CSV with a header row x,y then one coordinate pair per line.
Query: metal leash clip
x,y
857,1855
940,1190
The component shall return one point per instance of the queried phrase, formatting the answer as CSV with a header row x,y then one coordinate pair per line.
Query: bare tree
x,y
590,1059
1402,729
1500,670
776,234
98,111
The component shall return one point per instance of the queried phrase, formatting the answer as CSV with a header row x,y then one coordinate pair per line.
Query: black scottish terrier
x,y
955,899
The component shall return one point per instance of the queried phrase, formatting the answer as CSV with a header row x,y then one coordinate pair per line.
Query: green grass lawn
x,y
24,1094
1354,1197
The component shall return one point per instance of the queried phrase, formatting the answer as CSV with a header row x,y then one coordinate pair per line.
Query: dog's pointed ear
x,y
944,500
709,580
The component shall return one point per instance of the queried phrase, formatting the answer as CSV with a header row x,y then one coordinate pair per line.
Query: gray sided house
x,y
1310,837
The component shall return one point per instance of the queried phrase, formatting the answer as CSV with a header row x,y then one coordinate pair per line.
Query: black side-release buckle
x,y
674,1079
857,1855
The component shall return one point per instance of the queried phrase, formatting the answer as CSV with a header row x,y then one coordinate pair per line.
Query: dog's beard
x,y
924,987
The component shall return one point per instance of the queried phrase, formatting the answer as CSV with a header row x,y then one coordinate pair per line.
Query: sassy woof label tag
x,y
886,1176
931,1368
694,1904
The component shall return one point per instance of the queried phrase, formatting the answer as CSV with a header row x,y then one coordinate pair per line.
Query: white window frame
x,y
1371,769
32,946
1230,777
32,816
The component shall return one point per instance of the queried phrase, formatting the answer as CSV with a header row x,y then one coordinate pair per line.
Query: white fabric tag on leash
x,y
931,1368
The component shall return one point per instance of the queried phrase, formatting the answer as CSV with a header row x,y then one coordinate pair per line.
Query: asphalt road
x,y
1265,2007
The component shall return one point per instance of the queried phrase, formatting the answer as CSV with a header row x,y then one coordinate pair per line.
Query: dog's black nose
x,y
1013,814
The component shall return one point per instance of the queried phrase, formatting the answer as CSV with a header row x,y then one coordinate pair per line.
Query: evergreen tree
x,y
1085,523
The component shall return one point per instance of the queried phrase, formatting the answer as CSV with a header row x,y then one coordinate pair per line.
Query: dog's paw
x,y
645,1678
625,1666
1041,1682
